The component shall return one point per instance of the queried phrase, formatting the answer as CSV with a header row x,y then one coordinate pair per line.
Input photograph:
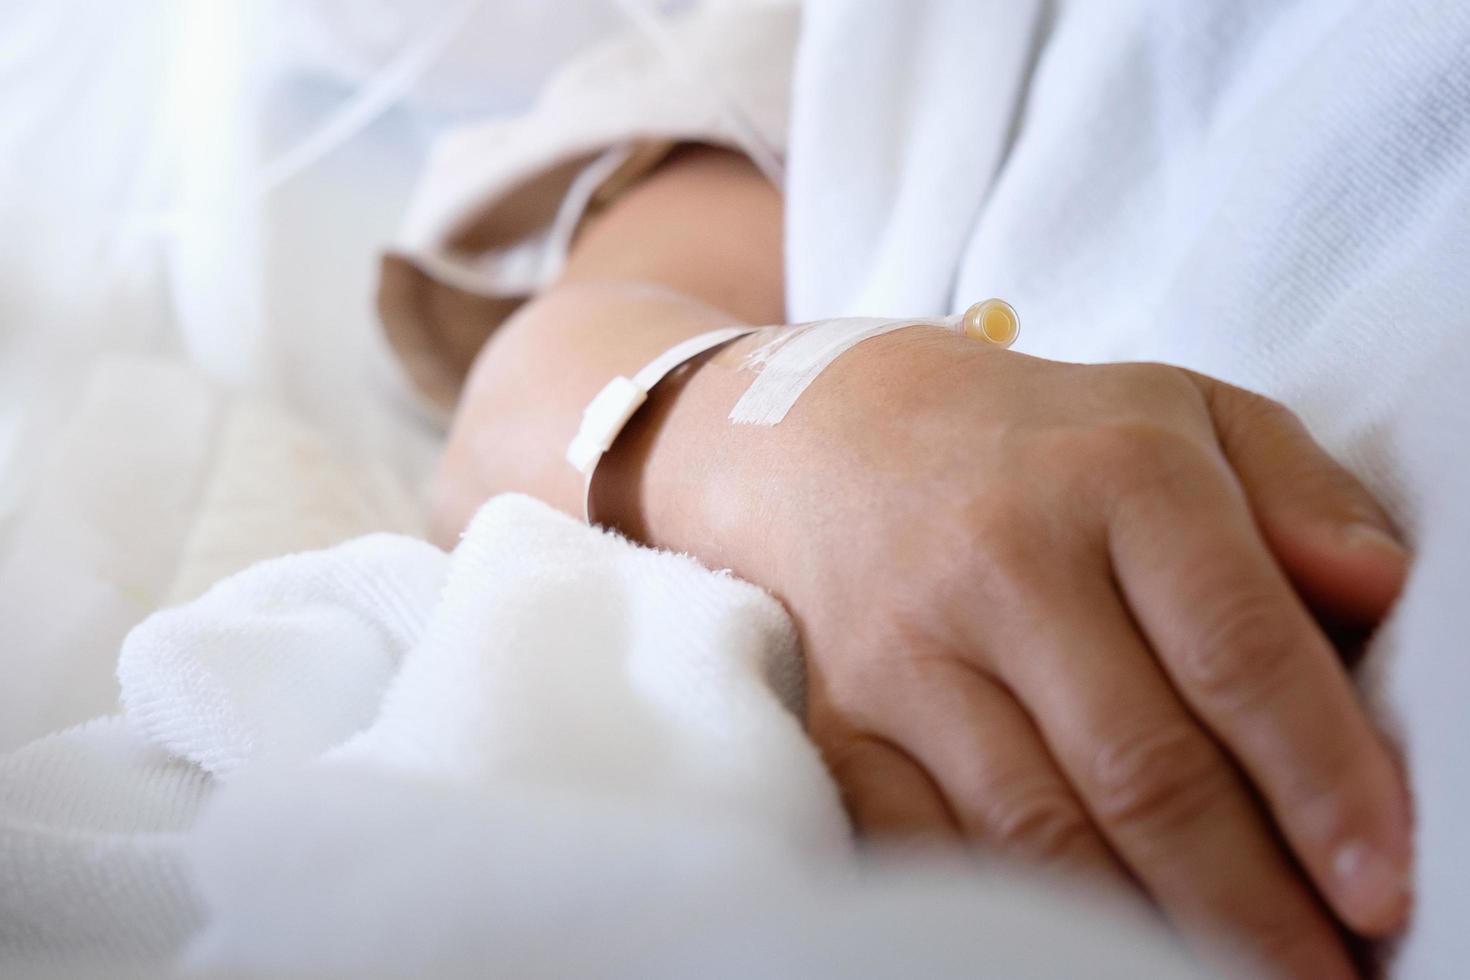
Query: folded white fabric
x,y
555,654
550,753
284,661
90,868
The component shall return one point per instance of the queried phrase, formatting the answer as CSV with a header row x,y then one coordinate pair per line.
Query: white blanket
x,y
551,753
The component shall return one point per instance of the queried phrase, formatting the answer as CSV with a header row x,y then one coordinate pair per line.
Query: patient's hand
x,y
1049,607
1055,608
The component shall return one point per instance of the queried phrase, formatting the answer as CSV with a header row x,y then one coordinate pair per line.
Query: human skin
x,y
1067,612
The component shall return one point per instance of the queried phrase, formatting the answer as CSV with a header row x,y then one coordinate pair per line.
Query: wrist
x,y
671,477
683,478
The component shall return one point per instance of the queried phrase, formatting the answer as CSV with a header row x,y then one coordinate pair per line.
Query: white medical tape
x,y
791,361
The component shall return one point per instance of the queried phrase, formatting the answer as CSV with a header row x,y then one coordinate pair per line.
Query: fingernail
x,y
1371,536
1373,886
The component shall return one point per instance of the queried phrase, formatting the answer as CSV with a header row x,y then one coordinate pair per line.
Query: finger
x,y
1169,801
993,769
1328,532
887,794
1248,659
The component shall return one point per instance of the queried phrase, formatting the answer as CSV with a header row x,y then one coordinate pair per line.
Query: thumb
x,y
1324,527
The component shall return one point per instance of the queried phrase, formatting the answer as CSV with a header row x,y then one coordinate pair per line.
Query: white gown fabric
x,y
1273,193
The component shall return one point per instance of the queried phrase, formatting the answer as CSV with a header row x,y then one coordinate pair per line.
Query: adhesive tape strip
x,y
793,359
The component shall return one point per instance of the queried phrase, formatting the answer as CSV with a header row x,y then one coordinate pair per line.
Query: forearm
x,y
694,247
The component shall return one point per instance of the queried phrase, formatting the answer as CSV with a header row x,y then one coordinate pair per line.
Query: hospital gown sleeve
x,y
499,202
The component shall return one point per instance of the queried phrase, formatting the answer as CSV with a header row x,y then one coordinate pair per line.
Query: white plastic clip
x,y
608,413
602,420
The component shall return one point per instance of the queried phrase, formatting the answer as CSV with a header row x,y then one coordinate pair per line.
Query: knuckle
x,y
1148,448
1013,561
1279,931
1330,492
1225,400
1160,390
1239,652
997,521
851,759
1324,801
1149,422
900,636
1135,455
1263,408
1151,379
1158,779
843,760
1035,817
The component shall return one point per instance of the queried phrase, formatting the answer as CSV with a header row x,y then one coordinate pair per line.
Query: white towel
x,y
541,651
551,753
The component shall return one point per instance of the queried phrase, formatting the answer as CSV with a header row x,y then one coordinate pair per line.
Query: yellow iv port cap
x,y
994,321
